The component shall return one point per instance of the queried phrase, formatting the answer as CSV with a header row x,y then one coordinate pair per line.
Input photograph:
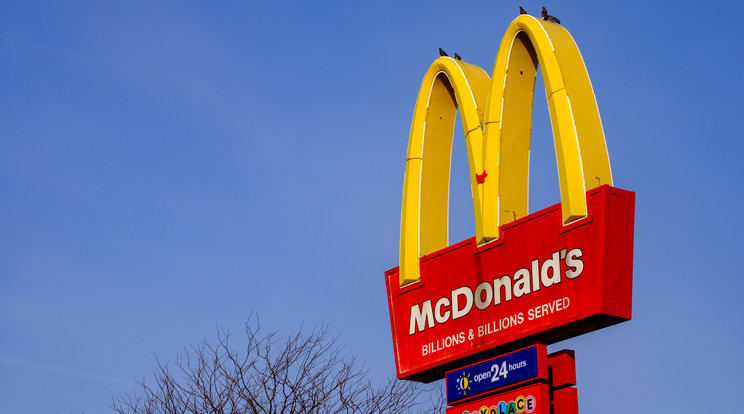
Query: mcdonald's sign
x,y
524,278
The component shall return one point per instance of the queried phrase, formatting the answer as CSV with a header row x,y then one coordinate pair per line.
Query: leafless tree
x,y
303,373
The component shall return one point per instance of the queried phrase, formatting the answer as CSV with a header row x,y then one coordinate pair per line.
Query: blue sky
x,y
169,168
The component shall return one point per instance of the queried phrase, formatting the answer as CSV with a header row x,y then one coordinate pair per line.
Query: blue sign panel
x,y
492,374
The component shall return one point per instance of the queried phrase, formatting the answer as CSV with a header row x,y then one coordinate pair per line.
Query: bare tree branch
x,y
304,373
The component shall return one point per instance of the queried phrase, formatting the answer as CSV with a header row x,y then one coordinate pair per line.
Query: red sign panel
x,y
541,282
532,399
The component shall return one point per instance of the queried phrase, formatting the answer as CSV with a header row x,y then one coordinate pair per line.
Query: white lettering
x,y
438,315
480,302
548,308
504,281
535,275
457,311
553,264
501,289
419,318
521,282
576,265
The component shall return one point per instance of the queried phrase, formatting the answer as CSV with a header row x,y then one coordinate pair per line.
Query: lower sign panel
x,y
541,282
532,399
526,364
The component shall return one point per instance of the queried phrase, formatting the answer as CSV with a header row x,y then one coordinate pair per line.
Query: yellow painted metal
x,y
497,120
448,85
581,152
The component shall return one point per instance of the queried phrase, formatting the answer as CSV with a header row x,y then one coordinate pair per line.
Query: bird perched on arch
x,y
442,52
551,19
457,57
522,11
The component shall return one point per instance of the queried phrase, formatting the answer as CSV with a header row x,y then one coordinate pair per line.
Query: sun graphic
x,y
463,384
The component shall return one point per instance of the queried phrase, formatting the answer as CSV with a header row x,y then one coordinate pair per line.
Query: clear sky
x,y
170,167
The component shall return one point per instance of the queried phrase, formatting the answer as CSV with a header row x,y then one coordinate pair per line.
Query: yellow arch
x,y
498,149
447,86
581,152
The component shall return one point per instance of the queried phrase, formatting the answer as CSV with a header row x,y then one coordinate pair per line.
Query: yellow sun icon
x,y
464,384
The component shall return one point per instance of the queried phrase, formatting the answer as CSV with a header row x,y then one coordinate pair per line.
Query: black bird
x,y
522,11
457,57
544,14
553,19
442,52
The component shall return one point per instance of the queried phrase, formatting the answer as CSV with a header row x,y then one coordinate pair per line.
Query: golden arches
x,y
583,162
448,84
497,119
